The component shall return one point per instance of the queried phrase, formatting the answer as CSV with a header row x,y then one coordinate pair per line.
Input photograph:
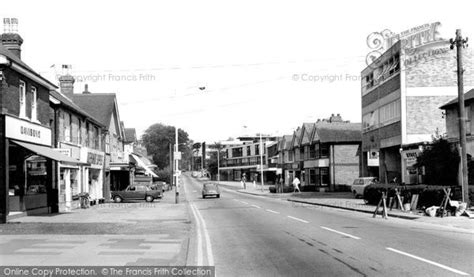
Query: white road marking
x,y
194,190
199,237
210,256
243,202
272,211
299,219
258,207
427,261
341,233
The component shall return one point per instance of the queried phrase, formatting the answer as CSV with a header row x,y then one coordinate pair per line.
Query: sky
x,y
266,65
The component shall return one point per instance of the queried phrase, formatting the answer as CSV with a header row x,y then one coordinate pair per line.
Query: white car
x,y
359,185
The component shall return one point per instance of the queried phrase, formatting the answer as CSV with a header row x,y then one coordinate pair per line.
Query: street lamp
x,y
177,157
261,160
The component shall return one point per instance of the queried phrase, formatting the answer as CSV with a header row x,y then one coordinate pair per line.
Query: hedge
x,y
428,195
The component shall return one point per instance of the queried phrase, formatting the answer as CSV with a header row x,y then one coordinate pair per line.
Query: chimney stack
x,y
10,38
86,89
66,84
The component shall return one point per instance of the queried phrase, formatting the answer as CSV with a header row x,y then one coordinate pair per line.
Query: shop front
x,y
93,174
70,178
410,174
28,184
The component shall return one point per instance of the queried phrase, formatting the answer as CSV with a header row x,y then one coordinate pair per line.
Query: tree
x,y
157,139
441,163
212,164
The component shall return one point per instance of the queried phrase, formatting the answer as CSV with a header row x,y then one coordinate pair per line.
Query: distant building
x,y
323,155
244,158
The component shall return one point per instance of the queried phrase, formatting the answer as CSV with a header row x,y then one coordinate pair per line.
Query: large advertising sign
x,y
27,131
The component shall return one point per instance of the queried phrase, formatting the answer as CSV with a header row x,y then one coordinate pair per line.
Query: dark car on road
x,y
210,189
137,192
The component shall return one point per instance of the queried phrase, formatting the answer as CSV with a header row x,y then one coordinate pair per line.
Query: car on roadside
x,y
159,186
137,192
210,189
359,185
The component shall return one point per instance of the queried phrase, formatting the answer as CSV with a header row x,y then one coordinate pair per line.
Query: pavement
x,y
346,201
116,234
251,235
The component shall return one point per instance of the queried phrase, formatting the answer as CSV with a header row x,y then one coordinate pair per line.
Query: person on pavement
x,y
244,179
296,184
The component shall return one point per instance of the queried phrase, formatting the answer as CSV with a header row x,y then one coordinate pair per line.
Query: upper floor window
x,y
324,148
257,149
237,152
107,143
34,104
248,151
67,127
302,157
22,98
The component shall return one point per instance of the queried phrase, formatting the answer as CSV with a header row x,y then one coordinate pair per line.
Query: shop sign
x,y
410,157
26,131
64,151
93,157
373,158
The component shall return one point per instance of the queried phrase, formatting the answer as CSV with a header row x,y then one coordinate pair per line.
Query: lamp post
x,y
177,156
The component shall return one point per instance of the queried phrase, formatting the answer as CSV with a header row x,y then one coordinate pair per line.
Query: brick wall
x,y
11,96
424,115
439,68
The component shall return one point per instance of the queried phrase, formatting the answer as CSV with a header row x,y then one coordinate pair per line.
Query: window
x,y
67,126
324,171
248,151
79,131
257,149
390,112
468,120
290,156
312,151
87,135
324,150
237,152
22,98
302,157
370,120
34,100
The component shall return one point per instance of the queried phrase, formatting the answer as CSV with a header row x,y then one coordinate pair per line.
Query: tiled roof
x,y
338,132
308,131
130,135
297,137
468,97
99,105
71,105
5,52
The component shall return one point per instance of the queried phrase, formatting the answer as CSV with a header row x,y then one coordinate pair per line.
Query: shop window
x,y
22,99
324,172
36,175
313,177
34,100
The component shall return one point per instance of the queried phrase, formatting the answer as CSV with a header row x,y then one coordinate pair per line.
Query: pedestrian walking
x,y
244,179
279,184
296,184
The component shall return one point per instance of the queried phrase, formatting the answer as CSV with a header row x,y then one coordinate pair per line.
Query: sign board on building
x,y
177,155
26,131
410,156
373,158
93,157
64,151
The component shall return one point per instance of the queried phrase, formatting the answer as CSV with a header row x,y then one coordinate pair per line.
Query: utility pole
x,y
261,160
459,42
176,166
171,164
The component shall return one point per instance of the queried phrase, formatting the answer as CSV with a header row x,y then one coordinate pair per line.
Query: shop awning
x,y
142,164
48,152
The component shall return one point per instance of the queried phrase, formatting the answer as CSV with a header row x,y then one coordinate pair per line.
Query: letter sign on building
x,y
26,131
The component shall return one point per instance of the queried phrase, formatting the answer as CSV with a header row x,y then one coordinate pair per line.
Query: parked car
x,y
210,189
137,192
359,185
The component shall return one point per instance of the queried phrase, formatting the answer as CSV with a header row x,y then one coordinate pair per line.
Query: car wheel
x,y
149,198
117,199
203,196
355,194
218,196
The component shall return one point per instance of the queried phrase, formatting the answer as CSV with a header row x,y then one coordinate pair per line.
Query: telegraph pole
x,y
460,43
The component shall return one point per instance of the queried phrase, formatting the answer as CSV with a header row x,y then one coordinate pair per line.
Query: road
x,y
246,235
